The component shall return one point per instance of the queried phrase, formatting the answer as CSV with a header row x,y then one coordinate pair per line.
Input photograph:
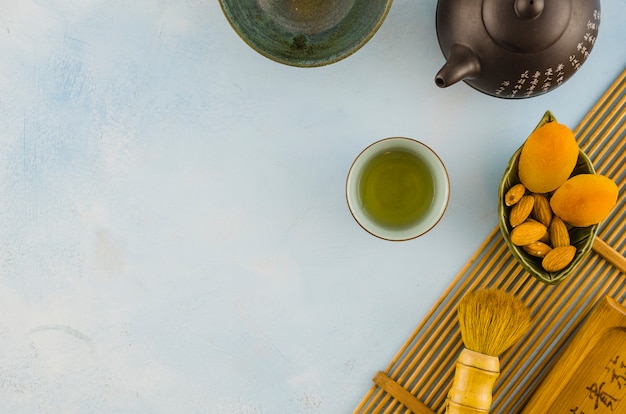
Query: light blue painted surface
x,y
174,233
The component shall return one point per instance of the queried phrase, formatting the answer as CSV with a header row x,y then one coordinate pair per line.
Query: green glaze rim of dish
x,y
580,237
263,34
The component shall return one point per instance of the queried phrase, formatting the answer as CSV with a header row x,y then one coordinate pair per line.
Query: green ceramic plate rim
x,y
581,237
316,42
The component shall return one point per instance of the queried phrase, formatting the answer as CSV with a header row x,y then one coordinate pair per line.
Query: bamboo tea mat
x,y
424,366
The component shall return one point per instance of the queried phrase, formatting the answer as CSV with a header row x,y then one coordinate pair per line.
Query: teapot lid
x,y
526,26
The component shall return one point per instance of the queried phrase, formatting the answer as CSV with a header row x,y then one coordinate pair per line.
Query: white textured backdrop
x,y
173,230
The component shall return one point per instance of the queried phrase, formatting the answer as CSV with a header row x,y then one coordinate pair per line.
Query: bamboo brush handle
x,y
472,388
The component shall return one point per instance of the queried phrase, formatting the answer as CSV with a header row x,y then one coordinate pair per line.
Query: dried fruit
x,y
560,200
559,235
514,194
537,249
527,232
548,157
521,210
558,258
584,199
541,209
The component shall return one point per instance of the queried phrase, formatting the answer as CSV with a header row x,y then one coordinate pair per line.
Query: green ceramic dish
x,y
581,237
306,33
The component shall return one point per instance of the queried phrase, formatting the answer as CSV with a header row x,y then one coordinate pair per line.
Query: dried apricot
x,y
584,199
548,157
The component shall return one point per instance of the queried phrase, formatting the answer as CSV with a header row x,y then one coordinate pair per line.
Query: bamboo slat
x,y
420,374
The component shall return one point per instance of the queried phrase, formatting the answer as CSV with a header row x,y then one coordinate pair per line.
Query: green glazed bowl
x,y
580,237
306,33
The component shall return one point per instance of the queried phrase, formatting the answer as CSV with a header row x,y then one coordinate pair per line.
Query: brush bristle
x,y
492,321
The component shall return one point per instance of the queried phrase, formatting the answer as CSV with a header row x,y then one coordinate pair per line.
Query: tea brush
x,y
491,321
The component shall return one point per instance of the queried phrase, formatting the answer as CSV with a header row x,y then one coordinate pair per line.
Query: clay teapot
x,y
514,48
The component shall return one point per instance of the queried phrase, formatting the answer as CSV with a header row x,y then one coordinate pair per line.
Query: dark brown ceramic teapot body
x,y
514,48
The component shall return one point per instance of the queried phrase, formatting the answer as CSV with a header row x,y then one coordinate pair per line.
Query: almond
x,y
527,232
558,258
521,210
541,209
558,233
537,249
514,194
546,236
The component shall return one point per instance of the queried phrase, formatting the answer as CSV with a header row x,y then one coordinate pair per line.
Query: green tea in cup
x,y
397,189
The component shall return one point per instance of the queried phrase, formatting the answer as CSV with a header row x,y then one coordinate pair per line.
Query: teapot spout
x,y
462,64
